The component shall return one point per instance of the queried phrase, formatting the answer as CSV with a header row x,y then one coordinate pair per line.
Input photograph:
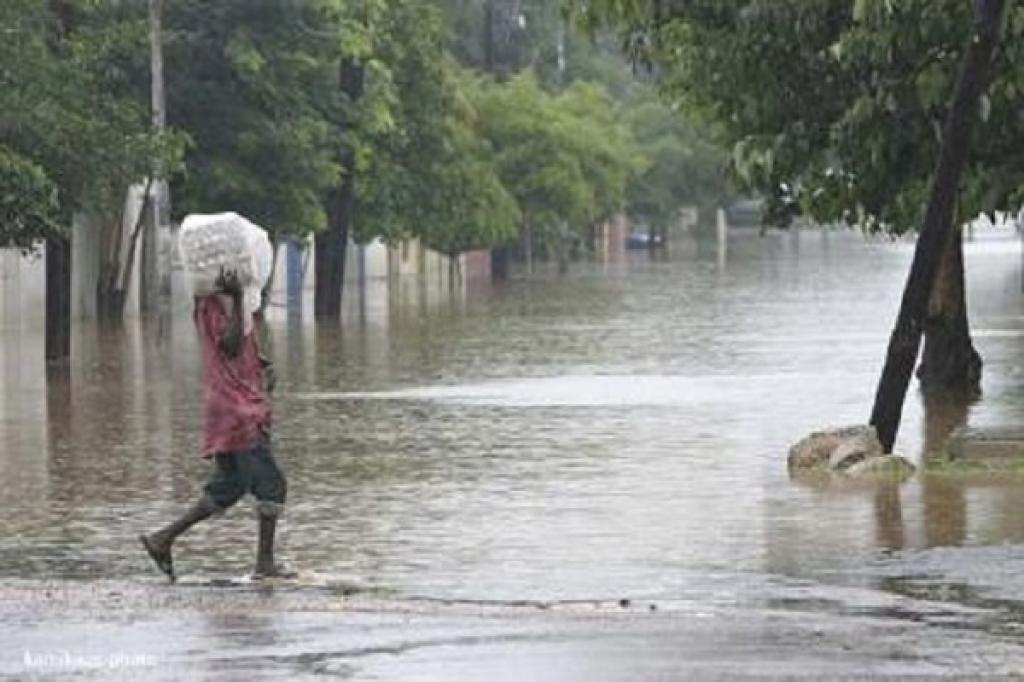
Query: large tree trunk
x,y
58,299
499,263
329,258
938,222
950,366
57,344
331,246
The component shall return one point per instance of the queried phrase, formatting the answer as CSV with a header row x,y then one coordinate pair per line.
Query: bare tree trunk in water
x,y
332,245
331,252
905,341
950,366
499,262
58,249
58,299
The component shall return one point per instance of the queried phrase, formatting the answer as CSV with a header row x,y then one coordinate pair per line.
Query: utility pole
x,y
157,254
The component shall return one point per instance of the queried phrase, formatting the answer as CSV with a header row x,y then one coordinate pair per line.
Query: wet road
x,y
501,468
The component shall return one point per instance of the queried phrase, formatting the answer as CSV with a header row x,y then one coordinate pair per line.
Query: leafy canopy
x,y
75,132
832,108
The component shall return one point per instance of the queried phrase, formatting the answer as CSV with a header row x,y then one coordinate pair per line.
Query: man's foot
x,y
262,572
160,554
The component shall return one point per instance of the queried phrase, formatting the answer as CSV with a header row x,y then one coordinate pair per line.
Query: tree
x,y
619,129
566,158
270,94
108,56
501,38
434,177
833,109
28,203
332,244
72,137
330,118
468,206
684,167
936,233
254,85
415,164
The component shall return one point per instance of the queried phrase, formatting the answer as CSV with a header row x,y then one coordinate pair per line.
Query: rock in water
x,y
887,467
858,447
835,448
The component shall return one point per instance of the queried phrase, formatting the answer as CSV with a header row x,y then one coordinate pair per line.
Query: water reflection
x,y
620,430
889,516
943,496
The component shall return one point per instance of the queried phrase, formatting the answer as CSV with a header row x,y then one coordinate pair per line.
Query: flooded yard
x,y
520,460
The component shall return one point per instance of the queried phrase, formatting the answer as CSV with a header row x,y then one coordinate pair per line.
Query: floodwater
x,y
618,433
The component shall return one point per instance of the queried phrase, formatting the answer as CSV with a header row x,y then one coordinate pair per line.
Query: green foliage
x,y
565,158
833,108
630,149
423,170
254,84
75,133
260,123
502,37
468,207
683,166
599,136
28,202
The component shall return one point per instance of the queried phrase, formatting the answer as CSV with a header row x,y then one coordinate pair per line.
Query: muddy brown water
x,y
619,432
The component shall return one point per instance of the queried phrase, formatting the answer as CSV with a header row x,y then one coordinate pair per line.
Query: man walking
x,y
236,432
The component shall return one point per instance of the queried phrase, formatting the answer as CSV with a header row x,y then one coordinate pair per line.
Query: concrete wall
x,y
23,278
85,267
87,255
22,290
294,273
610,239
375,256
293,267
405,259
413,258
476,266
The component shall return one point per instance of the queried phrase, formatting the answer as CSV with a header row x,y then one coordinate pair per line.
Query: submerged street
x,y
560,478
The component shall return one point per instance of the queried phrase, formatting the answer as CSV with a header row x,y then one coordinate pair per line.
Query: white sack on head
x,y
212,243
258,244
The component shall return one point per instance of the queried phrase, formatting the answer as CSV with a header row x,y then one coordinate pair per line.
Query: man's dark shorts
x,y
249,471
